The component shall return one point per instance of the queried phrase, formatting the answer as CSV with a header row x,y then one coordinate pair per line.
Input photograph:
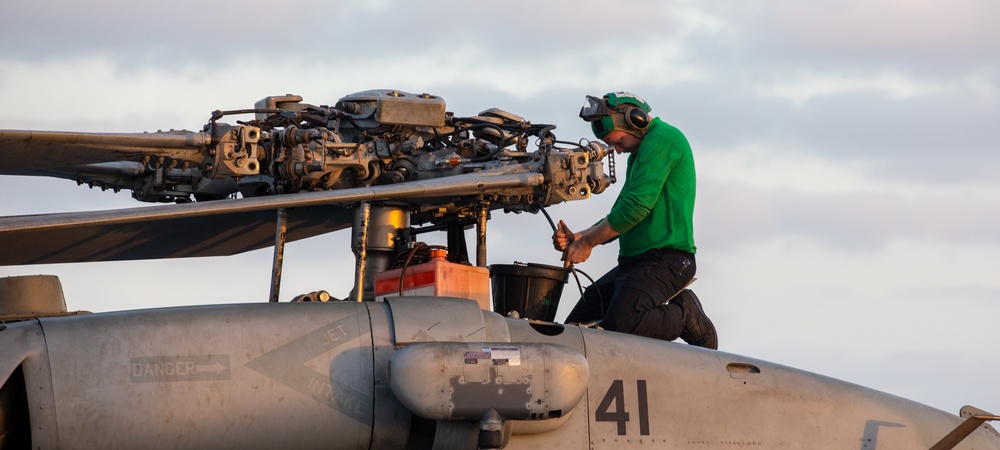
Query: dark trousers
x,y
630,298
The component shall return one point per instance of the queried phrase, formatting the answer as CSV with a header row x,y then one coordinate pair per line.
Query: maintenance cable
x,y
419,254
574,270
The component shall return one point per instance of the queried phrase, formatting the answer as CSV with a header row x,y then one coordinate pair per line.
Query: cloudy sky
x,y
848,214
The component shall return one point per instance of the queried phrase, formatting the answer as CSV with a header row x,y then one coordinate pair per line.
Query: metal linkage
x,y
280,228
963,431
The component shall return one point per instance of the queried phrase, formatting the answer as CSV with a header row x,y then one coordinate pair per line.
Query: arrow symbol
x,y
213,368
287,365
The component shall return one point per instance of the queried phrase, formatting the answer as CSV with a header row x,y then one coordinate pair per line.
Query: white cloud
x,y
809,85
140,95
694,17
757,167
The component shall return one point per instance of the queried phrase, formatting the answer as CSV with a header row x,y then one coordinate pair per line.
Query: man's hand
x,y
574,248
562,237
578,251
577,248
562,240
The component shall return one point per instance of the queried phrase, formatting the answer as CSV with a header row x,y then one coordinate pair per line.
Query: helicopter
x,y
400,362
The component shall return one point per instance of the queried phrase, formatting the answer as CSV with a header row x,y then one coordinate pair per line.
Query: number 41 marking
x,y
616,394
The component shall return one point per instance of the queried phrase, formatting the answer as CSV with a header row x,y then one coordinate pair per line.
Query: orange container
x,y
438,277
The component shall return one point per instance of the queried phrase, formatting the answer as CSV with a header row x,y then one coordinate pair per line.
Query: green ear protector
x,y
616,111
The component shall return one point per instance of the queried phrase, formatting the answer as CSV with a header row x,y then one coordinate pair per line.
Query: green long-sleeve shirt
x,y
655,206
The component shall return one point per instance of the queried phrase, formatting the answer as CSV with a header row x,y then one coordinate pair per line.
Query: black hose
x,y
439,138
477,126
573,268
419,254
341,115
548,217
500,131
546,130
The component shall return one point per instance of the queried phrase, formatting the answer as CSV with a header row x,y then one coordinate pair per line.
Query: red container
x,y
437,277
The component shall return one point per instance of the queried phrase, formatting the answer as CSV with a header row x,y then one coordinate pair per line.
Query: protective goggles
x,y
595,108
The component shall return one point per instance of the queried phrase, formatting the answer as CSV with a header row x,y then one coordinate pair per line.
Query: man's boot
x,y
698,329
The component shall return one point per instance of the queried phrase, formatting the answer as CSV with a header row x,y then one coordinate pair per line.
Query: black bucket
x,y
533,290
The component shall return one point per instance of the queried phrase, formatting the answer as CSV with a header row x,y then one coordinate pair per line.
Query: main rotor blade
x,y
74,155
222,227
214,235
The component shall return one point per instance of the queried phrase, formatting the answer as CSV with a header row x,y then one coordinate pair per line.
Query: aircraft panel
x,y
235,376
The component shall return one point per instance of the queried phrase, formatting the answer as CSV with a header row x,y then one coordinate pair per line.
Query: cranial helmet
x,y
616,111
